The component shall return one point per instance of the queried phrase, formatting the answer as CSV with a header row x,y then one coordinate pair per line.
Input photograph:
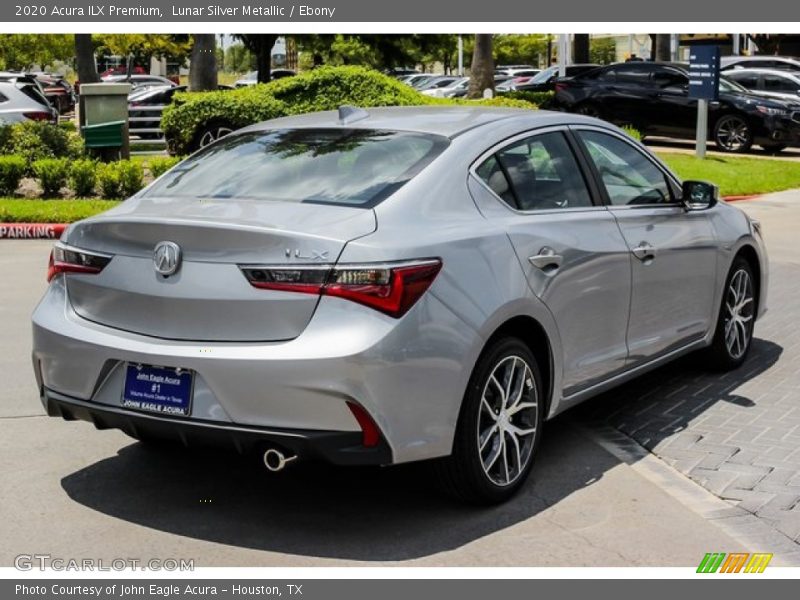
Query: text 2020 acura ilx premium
x,y
393,285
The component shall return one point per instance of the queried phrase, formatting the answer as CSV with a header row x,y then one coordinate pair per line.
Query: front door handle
x,y
547,260
644,251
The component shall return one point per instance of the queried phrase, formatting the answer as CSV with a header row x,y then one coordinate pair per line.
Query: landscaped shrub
x,y
83,177
52,175
131,177
186,119
109,181
159,166
35,140
191,115
12,169
540,99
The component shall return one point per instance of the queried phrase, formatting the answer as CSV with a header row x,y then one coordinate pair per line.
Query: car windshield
x,y
352,167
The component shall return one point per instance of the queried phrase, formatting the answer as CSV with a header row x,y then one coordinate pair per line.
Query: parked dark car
x,y
58,92
545,81
654,98
140,106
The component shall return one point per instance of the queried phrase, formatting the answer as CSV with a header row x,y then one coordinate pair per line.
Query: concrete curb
x,y
753,533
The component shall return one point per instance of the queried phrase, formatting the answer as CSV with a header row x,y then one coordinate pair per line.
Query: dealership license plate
x,y
158,389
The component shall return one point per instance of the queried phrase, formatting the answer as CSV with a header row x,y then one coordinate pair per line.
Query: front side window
x,y
537,173
351,167
629,177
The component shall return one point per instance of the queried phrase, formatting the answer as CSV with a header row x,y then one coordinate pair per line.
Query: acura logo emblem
x,y
167,258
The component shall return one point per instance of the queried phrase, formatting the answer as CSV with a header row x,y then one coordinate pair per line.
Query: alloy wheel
x,y
733,134
739,306
507,420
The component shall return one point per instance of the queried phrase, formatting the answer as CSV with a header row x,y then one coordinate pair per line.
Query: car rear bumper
x,y
409,375
337,447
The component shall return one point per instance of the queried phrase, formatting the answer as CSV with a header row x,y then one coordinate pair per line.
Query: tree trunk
x,y
661,47
482,69
264,56
580,48
203,68
84,59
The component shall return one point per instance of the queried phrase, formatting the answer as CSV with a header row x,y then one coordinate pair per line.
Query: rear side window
x,y
748,80
537,173
350,167
774,83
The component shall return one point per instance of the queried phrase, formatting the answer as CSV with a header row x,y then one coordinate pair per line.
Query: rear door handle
x,y
547,260
644,251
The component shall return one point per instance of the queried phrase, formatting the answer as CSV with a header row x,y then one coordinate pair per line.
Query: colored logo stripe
x,y
734,563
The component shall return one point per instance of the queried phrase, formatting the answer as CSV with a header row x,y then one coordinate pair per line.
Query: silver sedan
x,y
391,285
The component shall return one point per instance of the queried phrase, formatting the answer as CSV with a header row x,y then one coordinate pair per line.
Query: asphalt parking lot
x,y
727,476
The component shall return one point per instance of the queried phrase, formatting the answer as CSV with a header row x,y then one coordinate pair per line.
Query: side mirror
x,y
699,195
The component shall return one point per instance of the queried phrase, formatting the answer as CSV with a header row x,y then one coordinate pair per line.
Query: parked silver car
x,y
775,83
21,100
393,285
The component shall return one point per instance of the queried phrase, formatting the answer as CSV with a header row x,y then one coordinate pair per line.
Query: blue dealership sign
x,y
704,72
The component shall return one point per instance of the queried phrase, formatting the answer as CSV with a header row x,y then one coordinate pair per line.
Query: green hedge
x,y
37,140
12,170
537,98
20,210
325,88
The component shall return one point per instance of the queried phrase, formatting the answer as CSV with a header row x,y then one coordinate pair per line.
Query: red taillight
x,y
370,434
561,86
39,115
390,288
64,259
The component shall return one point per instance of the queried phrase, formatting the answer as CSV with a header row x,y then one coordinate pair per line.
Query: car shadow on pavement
x,y
668,400
365,514
391,514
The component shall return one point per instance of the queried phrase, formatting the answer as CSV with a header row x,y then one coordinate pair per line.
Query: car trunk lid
x,y
207,298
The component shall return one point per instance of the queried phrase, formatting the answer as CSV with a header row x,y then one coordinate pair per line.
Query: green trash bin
x,y
104,135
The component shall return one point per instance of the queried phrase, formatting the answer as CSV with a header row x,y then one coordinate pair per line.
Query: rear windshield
x,y
351,167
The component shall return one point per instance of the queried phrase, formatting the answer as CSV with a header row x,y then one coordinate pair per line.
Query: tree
x,y
482,69
519,49
143,46
581,48
661,47
23,51
603,50
260,44
203,69
84,58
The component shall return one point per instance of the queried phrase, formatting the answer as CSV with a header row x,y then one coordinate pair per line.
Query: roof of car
x,y
448,121
759,57
765,70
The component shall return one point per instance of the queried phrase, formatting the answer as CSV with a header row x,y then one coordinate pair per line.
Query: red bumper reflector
x,y
370,434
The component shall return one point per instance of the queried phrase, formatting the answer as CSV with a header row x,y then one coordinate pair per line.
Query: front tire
x,y
499,427
734,333
732,133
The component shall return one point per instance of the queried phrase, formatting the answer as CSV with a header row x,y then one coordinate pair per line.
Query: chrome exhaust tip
x,y
275,460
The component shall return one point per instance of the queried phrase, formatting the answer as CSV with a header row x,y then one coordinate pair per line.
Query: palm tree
x,y
203,69
260,44
482,69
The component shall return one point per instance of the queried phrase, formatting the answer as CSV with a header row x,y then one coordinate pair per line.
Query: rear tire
x,y
734,333
499,427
